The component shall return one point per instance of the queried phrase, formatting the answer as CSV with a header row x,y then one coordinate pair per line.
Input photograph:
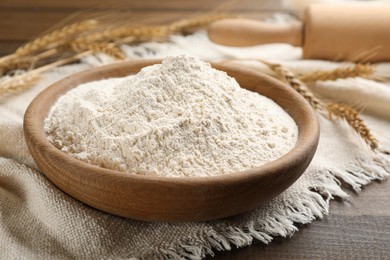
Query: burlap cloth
x,y
38,221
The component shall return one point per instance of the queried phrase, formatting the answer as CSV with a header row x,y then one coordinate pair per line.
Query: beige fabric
x,y
38,221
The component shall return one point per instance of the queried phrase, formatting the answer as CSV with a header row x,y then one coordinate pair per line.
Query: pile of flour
x,y
179,118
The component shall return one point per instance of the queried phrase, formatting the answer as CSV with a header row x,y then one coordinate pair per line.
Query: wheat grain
x,y
7,58
24,81
22,64
28,62
287,76
108,48
353,119
18,83
358,70
339,111
131,30
56,36
142,33
115,34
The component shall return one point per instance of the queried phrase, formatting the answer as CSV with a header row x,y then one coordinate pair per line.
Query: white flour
x,y
179,118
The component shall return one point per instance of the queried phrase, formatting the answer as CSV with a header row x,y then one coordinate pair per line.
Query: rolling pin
x,y
351,32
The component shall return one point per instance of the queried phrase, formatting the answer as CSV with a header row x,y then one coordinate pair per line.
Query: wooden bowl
x,y
171,199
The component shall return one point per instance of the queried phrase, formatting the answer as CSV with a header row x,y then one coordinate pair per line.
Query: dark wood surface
x,y
354,229
21,20
358,229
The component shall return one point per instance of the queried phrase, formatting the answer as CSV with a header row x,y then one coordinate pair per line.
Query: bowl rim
x,y
34,127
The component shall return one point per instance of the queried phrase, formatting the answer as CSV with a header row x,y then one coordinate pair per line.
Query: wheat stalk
x,y
61,62
358,70
353,119
56,37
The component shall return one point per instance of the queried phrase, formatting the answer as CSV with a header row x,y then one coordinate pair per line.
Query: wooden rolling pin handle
x,y
246,32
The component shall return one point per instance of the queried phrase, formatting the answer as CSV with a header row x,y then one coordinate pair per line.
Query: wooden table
x,y
355,229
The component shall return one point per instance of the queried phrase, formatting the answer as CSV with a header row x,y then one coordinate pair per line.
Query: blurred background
x,y
22,20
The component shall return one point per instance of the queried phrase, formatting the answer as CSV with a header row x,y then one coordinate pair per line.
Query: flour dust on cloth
x,y
39,221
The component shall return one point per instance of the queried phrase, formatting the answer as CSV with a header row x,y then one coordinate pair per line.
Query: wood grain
x,y
7,46
245,32
355,229
22,20
172,199
141,4
20,26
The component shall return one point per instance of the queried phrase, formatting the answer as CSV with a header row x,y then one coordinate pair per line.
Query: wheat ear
x,y
151,32
18,83
115,34
353,119
23,81
287,76
56,37
358,70
108,48
22,64
334,110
